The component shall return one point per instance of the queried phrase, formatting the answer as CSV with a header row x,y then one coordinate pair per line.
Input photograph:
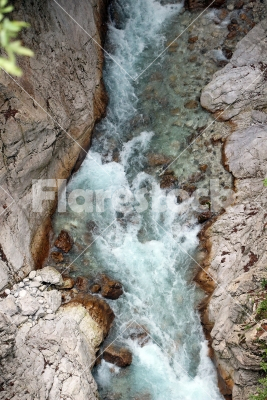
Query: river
x,y
137,233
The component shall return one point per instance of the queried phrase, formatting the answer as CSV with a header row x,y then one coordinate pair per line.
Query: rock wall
x,y
65,78
236,241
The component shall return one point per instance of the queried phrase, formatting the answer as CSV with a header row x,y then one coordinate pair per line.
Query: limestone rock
x,y
51,275
66,65
241,84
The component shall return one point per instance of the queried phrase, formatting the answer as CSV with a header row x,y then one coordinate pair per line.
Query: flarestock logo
x,y
124,200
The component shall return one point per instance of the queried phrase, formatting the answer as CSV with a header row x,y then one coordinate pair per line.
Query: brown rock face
x,y
99,310
121,357
82,283
64,241
110,289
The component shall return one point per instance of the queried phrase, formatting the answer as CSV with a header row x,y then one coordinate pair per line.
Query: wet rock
x,y
51,275
191,104
82,283
138,333
203,167
223,14
203,200
205,216
98,309
95,288
200,4
119,356
158,159
110,289
239,4
168,180
227,52
64,242
57,256
175,111
192,39
189,188
68,283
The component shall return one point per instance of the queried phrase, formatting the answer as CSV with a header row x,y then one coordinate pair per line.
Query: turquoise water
x,y
135,236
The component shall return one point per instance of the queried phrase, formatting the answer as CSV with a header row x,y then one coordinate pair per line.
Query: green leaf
x,y
265,182
10,67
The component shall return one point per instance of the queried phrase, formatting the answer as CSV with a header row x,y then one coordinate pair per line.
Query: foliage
x,y
262,390
9,31
263,283
262,309
265,182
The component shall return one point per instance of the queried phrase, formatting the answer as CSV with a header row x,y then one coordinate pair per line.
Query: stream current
x,y
138,234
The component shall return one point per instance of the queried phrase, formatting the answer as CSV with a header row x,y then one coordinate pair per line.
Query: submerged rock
x,y
64,242
119,356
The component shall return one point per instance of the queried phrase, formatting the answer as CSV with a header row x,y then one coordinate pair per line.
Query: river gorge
x,y
147,210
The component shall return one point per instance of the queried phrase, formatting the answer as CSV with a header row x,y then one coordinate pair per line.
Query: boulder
x,y
110,289
64,242
98,309
8,306
51,275
28,304
119,356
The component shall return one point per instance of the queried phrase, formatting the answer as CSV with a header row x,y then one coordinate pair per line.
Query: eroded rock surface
x,y
65,79
237,240
47,349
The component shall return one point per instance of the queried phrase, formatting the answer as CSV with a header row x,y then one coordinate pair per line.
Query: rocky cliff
x,y
47,349
236,241
46,120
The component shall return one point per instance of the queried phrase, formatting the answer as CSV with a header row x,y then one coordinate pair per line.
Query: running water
x,y
143,242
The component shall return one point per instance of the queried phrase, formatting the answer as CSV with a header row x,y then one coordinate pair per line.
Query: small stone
x,y
21,284
230,7
26,280
16,294
38,278
191,104
35,284
32,274
49,317
7,291
193,39
23,293
41,301
42,288
49,311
